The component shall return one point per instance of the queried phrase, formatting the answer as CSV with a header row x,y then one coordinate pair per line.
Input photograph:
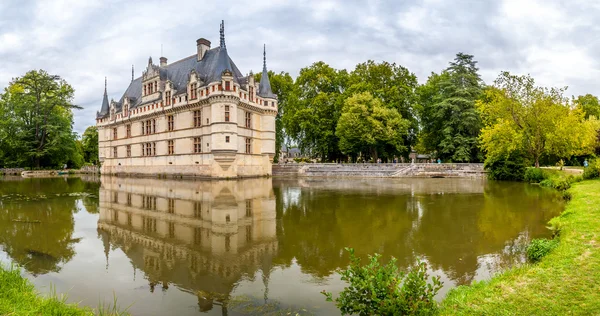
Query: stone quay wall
x,y
389,170
11,171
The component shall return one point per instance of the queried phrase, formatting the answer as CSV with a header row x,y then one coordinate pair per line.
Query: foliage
x,y
588,104
519,116
89,142
367,126
450,121
539,248
534,175
511,167
558,183
592,171
395,86
282,85
36,122
313,109
376,289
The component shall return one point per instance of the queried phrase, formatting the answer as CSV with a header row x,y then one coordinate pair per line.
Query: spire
x,y
132,73
264,88
104,108
150,60
222,33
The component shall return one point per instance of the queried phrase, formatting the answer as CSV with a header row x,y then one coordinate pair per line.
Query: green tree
x,y
394,85
36,120
520,116
589,105
282,85
89,142
313,109
367,126
449,119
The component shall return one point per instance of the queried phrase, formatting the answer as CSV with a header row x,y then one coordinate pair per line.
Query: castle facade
x,y
197,117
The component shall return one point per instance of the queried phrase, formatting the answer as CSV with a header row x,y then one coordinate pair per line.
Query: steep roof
x,y
104,108
264,88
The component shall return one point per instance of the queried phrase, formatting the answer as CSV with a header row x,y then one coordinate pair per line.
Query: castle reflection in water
x,y
200,236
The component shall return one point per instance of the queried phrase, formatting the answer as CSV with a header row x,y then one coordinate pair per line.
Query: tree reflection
x,y
36,221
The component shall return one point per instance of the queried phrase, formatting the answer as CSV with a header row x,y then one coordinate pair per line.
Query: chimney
x,y
203,46
163,61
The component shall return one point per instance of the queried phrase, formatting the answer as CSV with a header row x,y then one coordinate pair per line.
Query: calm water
x,y
259,245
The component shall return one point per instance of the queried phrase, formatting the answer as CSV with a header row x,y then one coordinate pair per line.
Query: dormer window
x,y
227,86
193,92
168,97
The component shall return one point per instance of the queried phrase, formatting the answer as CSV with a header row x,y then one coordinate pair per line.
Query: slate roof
x,y
264,88
209,70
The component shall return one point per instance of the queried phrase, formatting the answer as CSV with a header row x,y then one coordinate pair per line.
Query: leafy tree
x,y
588,104
313,109
36,121
89,142
394,85
449,119
367,125
537,121
282,85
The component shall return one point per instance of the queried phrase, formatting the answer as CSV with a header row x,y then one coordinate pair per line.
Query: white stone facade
x,y
218,129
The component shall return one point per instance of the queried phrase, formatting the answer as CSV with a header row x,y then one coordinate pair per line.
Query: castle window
x,y
202,93
153,126
197,145
227,139
171,206
115,133
129,204
148,127
155,86
213,88
143,128
143,149
251,93
128,150
227,86
248,145
170,123
234,89
171,147
114,152
197,118
248,208
168,97
227,113
197,210
128,130
153,149
193,92
248,119
145,90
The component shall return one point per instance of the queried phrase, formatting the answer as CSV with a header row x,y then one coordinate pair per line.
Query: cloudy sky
x,y
557,42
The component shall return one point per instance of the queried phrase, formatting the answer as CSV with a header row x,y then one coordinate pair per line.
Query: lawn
x,y
567,281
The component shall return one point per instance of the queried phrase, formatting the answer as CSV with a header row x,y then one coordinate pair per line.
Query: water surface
x,y
256,245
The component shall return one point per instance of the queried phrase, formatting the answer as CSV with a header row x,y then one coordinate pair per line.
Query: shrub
x,y
534,175
376,289
559,183
538,248
592,171
511,168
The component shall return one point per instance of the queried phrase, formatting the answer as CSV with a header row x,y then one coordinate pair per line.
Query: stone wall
x,y
398,170
11,171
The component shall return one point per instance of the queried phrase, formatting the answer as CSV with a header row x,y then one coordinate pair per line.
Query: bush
x,y
538,248
511,168
534,175
559,183
376,289
592,171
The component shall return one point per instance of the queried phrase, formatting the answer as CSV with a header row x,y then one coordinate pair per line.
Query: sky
x,y
556,42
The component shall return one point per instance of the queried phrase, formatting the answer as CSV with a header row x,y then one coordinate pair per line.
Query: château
x,y
196,117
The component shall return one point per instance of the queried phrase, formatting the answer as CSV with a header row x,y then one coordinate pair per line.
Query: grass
x,y
19,297
565,282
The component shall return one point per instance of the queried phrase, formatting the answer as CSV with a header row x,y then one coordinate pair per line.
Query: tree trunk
x,y
537,161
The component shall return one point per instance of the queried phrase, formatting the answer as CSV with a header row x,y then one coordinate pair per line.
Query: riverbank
x,y
380,170
18,296
567,281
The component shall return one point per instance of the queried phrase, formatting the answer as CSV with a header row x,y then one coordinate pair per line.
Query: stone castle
x,y
197,117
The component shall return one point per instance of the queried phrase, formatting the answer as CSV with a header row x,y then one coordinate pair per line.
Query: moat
x,y
257,245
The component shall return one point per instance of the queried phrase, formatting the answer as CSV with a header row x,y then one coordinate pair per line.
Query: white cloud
x,y
83,41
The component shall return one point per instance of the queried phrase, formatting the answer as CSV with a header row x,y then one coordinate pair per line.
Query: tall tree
x,y
37,118
394,85
522,117
89,142
589,105
449,119
282,85
366,125
313,110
